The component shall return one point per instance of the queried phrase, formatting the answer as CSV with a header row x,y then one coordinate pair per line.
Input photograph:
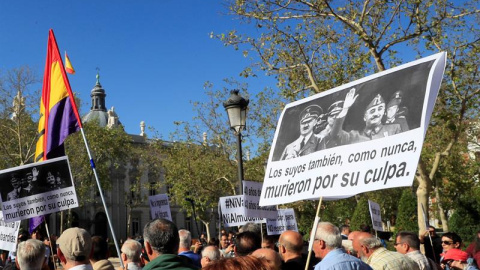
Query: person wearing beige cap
x,y
74,248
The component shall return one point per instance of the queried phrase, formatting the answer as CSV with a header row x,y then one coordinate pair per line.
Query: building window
x,y
135,226
188,224
152,189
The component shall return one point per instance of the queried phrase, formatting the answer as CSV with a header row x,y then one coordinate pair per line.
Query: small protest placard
x,y
159,206
362,136
8,234
376,215
252,191
37,189
285,221
233,211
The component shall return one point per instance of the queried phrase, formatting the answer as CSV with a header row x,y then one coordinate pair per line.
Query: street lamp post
x,y
236,107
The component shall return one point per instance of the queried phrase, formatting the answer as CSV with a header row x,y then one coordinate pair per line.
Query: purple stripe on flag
x,y
35,222
61,123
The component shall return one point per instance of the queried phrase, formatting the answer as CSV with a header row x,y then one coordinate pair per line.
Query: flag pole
x,y
312,234
92,165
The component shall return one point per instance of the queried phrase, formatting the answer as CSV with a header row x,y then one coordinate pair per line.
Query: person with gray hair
x,y
184,248
210,254
131,251
370,250
161,245
327,246
30,255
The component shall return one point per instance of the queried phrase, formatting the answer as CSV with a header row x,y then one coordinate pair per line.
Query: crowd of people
x,y
165,247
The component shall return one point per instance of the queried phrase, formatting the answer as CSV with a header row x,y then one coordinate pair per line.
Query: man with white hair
x,y
185,245
328,247
210,254
370,250
131,251
30,255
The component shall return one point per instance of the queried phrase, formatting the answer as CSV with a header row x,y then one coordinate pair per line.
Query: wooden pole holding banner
x,y
426,229
312,234
92,165
50,242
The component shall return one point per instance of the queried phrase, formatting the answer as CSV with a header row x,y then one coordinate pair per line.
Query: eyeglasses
x,y
396,244
447,243
278,244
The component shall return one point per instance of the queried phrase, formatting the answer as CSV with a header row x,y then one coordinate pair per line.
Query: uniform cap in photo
x,y
396,99
312,111
377,100
335,108
75,244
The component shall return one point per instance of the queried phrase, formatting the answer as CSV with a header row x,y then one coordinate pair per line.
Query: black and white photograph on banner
x,y
37,189
370,110
362,136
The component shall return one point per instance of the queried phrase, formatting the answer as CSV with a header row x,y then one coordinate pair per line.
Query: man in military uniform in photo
x,y
332,114
373,115
394,115
15,181
307,142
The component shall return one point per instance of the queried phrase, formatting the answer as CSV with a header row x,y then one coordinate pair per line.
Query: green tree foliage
x,y
338,212
311,46
19,105
197,176
361,215
407,212
111,149
464,220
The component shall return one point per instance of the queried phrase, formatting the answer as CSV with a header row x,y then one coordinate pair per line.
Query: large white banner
x,y
233,211
285,221
362,136
8,234
251,193
376,215
37,189
159,207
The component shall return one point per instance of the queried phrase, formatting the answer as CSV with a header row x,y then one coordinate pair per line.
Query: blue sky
x,y
153,56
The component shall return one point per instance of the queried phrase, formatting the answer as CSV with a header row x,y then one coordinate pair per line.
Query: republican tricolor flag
x,y
58,112
68,65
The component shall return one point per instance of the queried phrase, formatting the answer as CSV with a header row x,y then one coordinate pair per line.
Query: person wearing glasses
x,y
328,247
450,240
408,244
370,250
458,260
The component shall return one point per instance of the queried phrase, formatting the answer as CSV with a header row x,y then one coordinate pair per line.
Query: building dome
x,y
98,112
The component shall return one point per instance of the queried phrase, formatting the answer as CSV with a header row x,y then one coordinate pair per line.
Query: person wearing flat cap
x,y
74,248
393,112
307,142
374,129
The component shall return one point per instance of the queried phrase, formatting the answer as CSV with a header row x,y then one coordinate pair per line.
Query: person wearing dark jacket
x,y
161,245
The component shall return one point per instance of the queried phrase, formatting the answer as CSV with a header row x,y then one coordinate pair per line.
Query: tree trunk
x,y
207,229
423,193
443,217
